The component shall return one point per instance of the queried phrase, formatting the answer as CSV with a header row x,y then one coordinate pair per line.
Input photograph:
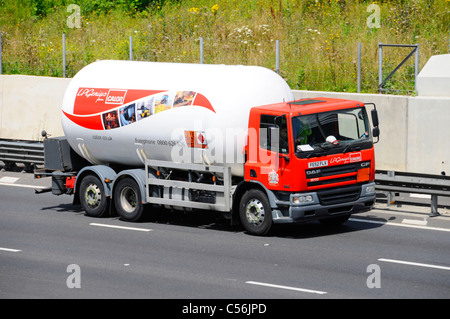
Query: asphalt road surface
x,y
50,249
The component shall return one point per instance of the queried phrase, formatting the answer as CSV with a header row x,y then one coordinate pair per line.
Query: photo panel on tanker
x,y
146,107
127,114
110,120
183,98
164,101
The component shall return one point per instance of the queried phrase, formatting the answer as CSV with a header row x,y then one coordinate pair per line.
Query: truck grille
x,y
334,174
339,195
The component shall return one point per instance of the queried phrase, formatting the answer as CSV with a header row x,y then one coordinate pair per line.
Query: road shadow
x,y
65,208
217,221
196,219
314,229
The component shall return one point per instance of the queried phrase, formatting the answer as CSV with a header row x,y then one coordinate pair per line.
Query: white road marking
x,y
10,250
22,185
8,179
413,263
285,287
414,222
398,224
121,227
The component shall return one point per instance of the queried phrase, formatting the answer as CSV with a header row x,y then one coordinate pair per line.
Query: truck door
x,y
269,153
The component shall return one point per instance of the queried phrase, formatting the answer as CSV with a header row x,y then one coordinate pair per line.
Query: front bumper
x,y
314,206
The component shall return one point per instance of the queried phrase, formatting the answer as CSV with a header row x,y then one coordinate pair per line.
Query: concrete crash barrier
x,y
30,104
414,130
434,78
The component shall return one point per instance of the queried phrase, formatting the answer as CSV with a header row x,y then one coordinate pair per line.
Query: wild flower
x,y
194,10
243,34
263,28
318,38
214,8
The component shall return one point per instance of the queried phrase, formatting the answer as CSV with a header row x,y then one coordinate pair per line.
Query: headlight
x,y
370,189
302,199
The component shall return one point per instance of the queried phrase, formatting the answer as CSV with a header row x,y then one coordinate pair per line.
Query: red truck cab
x,y
313,157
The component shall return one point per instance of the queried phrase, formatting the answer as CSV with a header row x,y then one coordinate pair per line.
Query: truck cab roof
x,y
309,106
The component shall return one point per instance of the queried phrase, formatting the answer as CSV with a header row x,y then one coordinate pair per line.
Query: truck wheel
x,y
255,212
92,197
127,198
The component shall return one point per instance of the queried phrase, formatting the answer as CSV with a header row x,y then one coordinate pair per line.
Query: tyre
x,y
92,196
128,201
255,212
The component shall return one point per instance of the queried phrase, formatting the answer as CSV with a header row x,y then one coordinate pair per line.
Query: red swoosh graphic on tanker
x,y
93,122
201,100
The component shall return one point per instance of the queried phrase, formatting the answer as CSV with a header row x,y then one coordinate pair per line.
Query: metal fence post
x,y
131,48
380,65
201,50
64,54
434,206
390,195
359,68
1,65
277,58
416,67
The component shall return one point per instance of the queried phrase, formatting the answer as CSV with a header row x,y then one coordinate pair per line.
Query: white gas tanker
x,y
121,113
214,137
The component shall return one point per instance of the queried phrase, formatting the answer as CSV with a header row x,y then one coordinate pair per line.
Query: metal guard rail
x,y
434,185
27,152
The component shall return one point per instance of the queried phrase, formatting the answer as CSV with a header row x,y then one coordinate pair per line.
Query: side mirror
x,y
375,123
374,117
375,132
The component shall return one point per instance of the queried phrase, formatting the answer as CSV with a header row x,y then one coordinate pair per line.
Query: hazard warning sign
x,y
196,139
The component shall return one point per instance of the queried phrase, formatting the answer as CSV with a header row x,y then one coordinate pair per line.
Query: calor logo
x,y
116,97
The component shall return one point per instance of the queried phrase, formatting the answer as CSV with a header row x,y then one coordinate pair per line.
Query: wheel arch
x,y
240,191
138,175
103,173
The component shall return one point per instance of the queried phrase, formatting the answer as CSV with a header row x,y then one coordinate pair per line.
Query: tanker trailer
x,y
212,137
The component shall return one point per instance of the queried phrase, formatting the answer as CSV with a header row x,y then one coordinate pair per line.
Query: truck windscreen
x,y
331,132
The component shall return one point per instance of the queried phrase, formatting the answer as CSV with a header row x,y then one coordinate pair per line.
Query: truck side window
x,y
279,122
